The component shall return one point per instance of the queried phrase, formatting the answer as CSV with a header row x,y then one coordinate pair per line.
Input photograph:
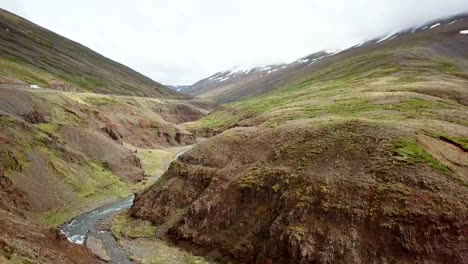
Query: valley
x,y
357,157
346,156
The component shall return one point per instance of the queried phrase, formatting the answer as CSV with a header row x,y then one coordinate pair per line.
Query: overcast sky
x,y
182,41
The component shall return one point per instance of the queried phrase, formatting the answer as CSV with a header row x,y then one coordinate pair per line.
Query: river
x,y
79,227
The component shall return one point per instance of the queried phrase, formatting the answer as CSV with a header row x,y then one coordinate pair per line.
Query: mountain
x,y
358,157
32,55
235,85
417,60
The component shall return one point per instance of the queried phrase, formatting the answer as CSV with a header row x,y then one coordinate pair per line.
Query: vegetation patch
x,y
56,217
124,226
461,142
411,152
12,161
154,160
15,255
100,100
103,180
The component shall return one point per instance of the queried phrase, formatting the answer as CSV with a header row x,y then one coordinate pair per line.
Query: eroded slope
x,y
66,151
335,192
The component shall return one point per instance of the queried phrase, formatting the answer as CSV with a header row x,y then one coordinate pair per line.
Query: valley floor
x,y
132,241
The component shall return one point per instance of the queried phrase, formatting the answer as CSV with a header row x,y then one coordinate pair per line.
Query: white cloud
x,y
182,41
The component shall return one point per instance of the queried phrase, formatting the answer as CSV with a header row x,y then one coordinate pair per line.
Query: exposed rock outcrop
x,y
11,199
35,117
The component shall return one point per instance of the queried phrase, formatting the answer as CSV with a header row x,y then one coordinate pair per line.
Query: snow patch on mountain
x,y
392,35
361,44
464,32
319,58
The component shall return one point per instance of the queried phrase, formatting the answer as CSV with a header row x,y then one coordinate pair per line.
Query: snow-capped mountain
x,y
238,83
238,76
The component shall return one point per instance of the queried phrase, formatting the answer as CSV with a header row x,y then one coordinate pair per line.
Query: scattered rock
x,y
35,117
97,248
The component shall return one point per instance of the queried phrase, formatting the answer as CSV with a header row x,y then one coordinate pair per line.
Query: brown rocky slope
x,y
22,242
63,153
55,144
330,192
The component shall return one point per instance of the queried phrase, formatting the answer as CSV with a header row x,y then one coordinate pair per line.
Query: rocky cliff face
x,y
22,242
324,193
12,199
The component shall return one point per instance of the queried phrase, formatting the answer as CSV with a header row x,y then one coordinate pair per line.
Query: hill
x,y
32,55
64,153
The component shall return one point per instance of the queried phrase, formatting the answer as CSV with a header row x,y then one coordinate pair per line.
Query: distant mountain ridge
x,y
231,79
234,85
179,88
33,55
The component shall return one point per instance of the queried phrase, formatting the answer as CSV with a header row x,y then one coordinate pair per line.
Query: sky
x,y
183,41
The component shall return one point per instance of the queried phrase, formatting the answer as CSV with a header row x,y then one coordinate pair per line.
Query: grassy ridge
x,y
379,85
30,54
418,76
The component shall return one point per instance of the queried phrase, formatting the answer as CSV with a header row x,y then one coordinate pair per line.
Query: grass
x,y
357,106
100,100
411,152
155,260
92,183
93,179
12,161
13,255
186,260
60,216
462,142
154,161
48,128
103,180
378,85
57,217
125,226
270,109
